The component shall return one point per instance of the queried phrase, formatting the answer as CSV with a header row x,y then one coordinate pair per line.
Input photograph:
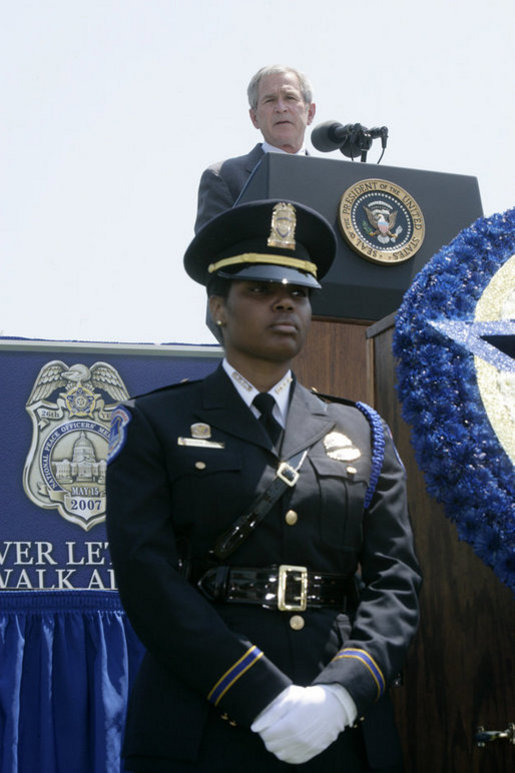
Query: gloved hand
x,y
277,708
303,721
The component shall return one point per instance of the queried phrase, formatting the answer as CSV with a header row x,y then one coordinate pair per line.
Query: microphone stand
x,y
358,139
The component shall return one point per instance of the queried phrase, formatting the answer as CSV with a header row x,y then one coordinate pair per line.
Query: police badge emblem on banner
x,y
70,408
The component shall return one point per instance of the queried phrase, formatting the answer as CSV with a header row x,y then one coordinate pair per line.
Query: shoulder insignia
x,y
118,433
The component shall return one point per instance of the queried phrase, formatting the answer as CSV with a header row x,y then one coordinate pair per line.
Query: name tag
x,y
199,442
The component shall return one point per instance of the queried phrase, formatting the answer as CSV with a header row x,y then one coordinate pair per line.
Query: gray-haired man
x,y
281,107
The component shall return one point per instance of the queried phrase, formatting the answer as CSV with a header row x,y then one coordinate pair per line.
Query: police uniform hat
x,y
263,241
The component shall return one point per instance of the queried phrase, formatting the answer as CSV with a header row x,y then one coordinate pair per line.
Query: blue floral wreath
x,y
465,465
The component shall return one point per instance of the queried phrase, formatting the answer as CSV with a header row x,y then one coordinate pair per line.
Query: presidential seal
x,y
71,409
381,221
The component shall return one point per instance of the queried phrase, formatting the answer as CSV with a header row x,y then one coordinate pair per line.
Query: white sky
x,y
111,109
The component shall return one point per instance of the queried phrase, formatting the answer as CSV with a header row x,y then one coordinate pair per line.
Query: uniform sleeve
x,y
177,625
387,615
214,197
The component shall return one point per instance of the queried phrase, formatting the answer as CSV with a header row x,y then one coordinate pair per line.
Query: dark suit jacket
x,y
222,183
167,498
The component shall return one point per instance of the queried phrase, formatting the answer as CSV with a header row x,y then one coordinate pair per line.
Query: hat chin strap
x,y
256,257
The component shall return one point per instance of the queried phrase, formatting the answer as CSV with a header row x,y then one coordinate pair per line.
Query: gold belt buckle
x,y
301,604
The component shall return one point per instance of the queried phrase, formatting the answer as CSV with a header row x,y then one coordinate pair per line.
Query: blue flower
x,y
465,466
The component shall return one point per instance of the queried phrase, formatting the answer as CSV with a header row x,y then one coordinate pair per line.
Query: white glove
x,y
277,708
303,721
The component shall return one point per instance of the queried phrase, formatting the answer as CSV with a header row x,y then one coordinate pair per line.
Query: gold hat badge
x,y
282,228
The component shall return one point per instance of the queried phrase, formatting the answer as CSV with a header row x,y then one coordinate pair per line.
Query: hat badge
x,y
282,228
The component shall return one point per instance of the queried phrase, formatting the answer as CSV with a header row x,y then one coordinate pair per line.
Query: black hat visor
x,y
261,272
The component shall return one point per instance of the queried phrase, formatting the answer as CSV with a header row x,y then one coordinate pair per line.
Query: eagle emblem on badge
x,y
65,468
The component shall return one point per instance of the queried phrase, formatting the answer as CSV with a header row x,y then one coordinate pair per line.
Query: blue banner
x,y
67,650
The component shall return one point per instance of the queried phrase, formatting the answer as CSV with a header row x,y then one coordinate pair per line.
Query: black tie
x,y
265,405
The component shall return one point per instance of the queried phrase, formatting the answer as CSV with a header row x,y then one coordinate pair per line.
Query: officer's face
x,y
281,112
263,320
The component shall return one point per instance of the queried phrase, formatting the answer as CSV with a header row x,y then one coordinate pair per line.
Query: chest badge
x,y
338,446
200,437
200,430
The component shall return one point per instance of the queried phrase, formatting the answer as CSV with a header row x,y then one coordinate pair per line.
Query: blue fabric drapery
x,y
67,663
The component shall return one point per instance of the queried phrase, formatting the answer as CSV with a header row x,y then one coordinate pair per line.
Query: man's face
x,y
281,113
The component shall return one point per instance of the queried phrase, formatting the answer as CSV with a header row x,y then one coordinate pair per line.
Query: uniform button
x,y
291,517
200,465
226,718
351,471
297,622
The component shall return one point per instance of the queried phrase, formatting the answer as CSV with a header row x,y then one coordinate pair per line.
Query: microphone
x,y
352,139
330,135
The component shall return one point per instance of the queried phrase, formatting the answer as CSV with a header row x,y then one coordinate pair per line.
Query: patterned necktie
x,y
265,404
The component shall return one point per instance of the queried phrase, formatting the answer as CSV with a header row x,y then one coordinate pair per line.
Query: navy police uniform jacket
x,y
169,499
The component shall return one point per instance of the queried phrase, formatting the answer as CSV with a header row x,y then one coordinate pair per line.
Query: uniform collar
x,y
247,391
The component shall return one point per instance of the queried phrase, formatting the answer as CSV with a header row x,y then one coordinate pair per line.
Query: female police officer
x,y
237,529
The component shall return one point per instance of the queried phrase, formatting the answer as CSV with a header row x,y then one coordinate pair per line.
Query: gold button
x,y
200,465
297,622
351,471
226,718
291,517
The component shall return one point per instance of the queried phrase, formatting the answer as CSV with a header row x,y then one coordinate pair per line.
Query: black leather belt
x,y
285,587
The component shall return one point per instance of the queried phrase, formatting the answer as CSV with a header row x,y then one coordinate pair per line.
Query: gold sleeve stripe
x,y
232,675
369,662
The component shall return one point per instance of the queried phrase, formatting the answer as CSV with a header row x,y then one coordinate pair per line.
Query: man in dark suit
x,y
240,509
281,107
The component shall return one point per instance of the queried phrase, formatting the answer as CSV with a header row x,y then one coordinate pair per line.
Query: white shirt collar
x,y
248,392
267,148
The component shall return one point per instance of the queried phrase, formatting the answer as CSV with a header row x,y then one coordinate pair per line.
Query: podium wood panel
x,y
334,358
460,670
